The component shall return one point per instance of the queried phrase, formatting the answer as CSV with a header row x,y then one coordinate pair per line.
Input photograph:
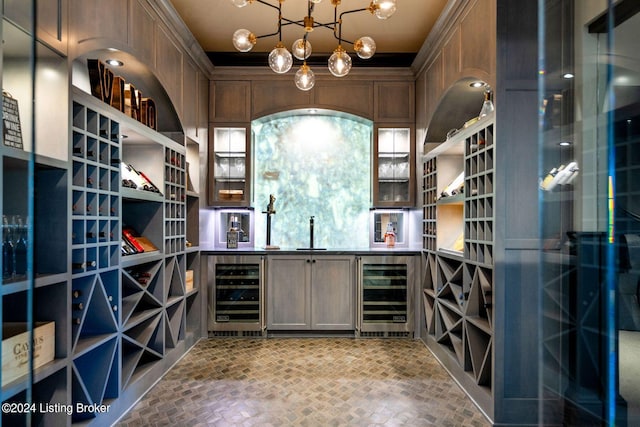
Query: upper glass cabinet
x,y
229,167
393,172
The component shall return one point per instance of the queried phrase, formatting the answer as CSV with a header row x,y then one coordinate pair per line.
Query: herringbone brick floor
x,y
313,382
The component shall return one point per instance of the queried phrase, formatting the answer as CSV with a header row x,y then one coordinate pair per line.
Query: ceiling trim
x,y
260,59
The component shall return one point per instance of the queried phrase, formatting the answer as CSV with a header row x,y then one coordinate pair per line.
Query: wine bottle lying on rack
x,y
142,182
130,236
83,265
126,248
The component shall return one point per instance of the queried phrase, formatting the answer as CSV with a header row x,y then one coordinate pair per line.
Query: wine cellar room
x,y
475,194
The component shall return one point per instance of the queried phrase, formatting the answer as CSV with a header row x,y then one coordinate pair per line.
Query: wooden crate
x,y
189,281
16,348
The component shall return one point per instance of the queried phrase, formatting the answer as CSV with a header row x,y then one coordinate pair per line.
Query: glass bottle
x,y
7,250
390,236
487,105
20,250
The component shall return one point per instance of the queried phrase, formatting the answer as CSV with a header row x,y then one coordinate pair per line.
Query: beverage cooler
x,y
385,296
236,296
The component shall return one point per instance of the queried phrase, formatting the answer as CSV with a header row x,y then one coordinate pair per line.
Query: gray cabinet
x,y
310,292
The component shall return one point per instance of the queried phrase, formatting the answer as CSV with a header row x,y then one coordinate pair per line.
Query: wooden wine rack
x,y
130,313
458,284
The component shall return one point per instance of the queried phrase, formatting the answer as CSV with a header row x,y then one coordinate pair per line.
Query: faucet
x,y
311,232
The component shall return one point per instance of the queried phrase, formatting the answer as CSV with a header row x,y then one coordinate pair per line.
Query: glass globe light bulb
x,y
243,40
299,50
240,3
315,1
365,47
280,59
383,9
339,62
304,78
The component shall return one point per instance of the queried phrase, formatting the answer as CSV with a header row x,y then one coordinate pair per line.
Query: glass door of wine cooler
x,y
386,295
236,294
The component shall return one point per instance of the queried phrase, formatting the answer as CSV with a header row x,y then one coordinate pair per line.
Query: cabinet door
x,y
289,293
229,166
393,167
332,293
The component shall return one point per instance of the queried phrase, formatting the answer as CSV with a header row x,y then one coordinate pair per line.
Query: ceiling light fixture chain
x,y
281,60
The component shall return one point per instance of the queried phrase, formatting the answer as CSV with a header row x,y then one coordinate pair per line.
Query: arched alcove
x,y
138,74
460,103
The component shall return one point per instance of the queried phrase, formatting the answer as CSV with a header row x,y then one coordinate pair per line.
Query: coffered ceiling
x,y
398,38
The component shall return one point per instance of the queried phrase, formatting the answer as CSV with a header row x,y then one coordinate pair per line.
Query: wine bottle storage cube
x,y
175,201
479,193
49,312
429,186
50,236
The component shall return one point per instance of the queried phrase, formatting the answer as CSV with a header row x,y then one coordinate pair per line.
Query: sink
x,y
311,249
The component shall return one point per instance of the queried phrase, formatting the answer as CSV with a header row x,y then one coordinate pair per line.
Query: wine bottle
x,y
83,265
7,250
76,293
20,250
76,321
78,306
128,234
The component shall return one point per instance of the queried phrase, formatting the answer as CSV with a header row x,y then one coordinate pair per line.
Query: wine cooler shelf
x,y
384,293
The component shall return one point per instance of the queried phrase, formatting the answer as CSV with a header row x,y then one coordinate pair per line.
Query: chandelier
x,y
281,60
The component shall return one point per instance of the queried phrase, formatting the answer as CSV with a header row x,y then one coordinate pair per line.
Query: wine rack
x,y
175,201
430,194
458,284
479,196
128,313
95,256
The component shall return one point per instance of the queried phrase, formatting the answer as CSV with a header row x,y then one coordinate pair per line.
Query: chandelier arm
x,y
339,24
269,4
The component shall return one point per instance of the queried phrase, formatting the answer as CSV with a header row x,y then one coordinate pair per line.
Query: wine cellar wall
x,y
458,243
